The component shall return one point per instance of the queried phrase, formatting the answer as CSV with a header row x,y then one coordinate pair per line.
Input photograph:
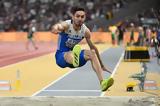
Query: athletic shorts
x,y
60,61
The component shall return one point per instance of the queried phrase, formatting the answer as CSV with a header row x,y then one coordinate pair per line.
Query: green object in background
x,y
113,36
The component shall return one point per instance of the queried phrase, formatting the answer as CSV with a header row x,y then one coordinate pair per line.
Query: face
x,y
79,18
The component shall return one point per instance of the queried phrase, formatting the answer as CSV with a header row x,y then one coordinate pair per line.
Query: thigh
x,y
68,57
64,59
61,59
88,54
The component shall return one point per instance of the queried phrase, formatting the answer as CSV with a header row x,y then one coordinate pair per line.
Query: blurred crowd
x,y
147,24
17,15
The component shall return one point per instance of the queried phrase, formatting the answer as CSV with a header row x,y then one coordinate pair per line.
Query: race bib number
x,y
71,42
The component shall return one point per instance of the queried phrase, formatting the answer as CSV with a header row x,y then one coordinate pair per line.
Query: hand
x,y
107,70
57,28
54,30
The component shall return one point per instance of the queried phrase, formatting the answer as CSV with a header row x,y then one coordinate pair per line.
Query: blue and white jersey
x,y
69,38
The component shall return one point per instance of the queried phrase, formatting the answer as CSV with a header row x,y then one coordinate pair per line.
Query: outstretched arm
x,y
59,27
93,47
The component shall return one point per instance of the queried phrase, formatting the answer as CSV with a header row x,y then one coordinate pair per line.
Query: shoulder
x,y
84,27
65,24
68,21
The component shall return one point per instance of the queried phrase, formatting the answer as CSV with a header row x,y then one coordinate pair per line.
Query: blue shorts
x,y
60,61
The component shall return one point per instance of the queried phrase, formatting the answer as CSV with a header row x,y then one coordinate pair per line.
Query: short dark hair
x,y
77,8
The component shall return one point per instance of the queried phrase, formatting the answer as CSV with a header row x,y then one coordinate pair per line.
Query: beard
x,y
78,23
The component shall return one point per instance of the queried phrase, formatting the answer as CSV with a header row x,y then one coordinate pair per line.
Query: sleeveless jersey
x,y
69,38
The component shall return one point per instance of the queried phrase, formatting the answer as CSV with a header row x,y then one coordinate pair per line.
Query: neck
x,y
77,28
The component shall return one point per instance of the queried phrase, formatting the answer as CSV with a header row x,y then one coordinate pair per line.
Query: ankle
x,y
101,81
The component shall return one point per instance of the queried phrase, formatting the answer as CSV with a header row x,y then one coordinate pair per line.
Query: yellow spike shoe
x,y
76,53
106,83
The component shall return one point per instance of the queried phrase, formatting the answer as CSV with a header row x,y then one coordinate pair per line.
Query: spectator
x,y
17,14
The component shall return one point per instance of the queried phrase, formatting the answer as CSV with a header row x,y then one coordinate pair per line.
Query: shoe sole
x,y
76,52
109,83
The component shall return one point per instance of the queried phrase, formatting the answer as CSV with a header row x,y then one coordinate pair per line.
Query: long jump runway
x,y
82,81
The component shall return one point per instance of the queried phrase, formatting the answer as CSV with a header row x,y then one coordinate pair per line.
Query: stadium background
x,y
37,67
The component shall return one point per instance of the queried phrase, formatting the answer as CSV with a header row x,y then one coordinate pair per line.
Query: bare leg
x,y
27,44
89,55
34,45
68,56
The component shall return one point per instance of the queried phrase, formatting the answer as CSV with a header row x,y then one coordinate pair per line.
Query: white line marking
x,y
114,71
71,90
54,81
60,78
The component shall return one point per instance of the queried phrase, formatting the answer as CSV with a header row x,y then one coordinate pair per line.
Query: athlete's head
x,y
78,15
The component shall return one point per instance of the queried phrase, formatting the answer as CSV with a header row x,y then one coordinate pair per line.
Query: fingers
x,y
107,70
55,31
60,27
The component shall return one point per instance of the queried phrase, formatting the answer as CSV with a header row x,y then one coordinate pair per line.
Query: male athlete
x,y
69,54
